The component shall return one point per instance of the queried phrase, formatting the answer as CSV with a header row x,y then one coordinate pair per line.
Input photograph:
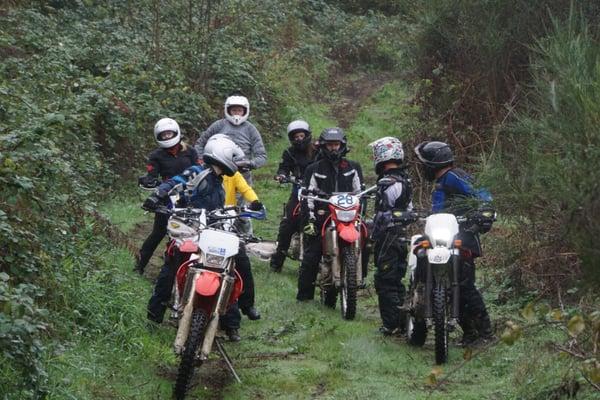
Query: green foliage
x,y
548,170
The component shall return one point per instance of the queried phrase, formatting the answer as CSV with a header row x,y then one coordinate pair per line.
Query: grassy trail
x,y
297,351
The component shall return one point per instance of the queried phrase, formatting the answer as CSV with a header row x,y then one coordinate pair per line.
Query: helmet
x,y
386,149
221,151
163,125
237,101
299,126
333,135
435,155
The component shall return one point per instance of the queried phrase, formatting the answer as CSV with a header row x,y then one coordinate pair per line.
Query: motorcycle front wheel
x,y
349,284
440,325
188,358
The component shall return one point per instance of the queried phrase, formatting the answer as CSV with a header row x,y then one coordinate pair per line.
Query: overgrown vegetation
x,y
81,84
512,85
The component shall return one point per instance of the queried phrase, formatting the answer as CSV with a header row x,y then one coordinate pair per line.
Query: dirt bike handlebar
x,y
319,194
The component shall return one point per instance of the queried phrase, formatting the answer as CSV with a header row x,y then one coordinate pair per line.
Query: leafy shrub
x,y
549,169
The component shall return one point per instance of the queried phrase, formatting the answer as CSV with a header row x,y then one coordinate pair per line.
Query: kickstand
x,y
227,360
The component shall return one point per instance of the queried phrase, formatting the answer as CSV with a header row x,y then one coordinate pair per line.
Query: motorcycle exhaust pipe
x,y
455,286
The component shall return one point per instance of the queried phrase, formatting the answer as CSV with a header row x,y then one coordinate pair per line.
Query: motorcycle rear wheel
x,y
349,284
440,325
188,358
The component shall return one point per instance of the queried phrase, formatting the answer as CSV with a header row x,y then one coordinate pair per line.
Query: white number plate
x,y
344,200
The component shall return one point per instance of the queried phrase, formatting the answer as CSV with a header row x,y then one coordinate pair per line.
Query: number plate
x,y
344,200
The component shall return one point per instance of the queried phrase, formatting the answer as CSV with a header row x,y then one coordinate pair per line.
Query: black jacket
x,y
323,175
294,162
162,162
393,193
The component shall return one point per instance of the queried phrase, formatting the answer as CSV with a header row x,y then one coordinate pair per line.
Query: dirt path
x,y
351,92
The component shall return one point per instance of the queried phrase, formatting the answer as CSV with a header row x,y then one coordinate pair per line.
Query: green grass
x,y
296,351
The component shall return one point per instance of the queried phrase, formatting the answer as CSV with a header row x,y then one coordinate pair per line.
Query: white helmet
x,y
221,151
237,101
163,125
386,149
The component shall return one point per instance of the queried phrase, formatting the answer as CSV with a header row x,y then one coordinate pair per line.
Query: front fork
x,y
220,309
332,250
189,297
189,294
440,278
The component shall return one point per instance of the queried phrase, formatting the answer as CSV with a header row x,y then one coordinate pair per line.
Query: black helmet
x,y
299,126
333,135
435,155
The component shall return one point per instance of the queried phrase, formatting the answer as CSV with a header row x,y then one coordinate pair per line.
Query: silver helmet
x,y
221,151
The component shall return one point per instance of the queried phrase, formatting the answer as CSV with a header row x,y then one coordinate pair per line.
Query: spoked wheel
x,y
188,358
349,284
440,325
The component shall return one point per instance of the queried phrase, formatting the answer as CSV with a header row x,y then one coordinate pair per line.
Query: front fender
x,y
439,255
208,283
348,232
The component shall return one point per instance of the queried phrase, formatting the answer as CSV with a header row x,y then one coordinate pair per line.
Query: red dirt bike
x,y
344,235
206,284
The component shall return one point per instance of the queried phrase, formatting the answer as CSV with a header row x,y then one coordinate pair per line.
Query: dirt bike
x,y
434,263
343,234
296,248
206,283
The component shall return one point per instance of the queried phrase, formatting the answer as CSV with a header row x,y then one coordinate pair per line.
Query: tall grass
x,y
547,169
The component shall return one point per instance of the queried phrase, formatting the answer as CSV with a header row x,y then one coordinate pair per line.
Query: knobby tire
x,y
188,358
349,286
440,325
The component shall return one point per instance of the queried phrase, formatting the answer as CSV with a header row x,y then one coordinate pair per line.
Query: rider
x,y
331,173
233,185
207,192
243,133
393,193
452,192
294,161
170,158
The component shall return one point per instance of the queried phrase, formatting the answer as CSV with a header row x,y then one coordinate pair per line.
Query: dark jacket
x,y
454,193
294,162
323,175
200,188
394,192
166,164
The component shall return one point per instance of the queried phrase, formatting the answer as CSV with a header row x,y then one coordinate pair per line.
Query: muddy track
x,y
351,92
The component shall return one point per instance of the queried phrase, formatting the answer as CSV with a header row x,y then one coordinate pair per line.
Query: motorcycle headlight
x,y
214,261
345,215
441,237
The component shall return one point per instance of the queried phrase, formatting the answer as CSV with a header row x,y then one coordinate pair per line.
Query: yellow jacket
x,y
237,184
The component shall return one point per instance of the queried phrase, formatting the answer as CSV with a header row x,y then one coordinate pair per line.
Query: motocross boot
x,y
233,335
138,267
470,334
277,260
484,327
251,312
